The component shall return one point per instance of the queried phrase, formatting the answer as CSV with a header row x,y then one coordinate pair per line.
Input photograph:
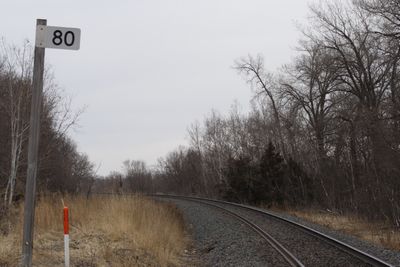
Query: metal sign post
x,y
50,37
30,190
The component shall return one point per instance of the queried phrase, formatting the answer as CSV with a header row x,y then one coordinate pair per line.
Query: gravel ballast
x,y
209,225
308,249
222,240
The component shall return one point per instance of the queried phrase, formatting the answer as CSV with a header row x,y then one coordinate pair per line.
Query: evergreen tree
x,y
270,183
239,174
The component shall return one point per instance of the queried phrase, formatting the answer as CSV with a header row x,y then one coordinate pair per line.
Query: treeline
x,y
235,157
61,167
324,129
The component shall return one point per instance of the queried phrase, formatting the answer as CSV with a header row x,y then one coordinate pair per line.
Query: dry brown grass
x,y
378,233
104,231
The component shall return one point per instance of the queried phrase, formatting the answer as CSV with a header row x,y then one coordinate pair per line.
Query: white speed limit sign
x,y
58,37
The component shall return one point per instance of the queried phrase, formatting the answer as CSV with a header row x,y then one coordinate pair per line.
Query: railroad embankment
x,y
104,231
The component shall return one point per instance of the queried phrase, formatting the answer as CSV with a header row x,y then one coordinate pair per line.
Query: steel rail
x,y
353,251
286,254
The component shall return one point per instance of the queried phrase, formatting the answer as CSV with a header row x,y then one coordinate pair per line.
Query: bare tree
x,y
311,83
137,175
263,82
18,64
367,67
61,167
388,11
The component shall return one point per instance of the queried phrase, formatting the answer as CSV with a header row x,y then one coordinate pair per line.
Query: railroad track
x,y
286,254
364,257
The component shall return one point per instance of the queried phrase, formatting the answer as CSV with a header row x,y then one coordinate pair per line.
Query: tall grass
x,y
104,231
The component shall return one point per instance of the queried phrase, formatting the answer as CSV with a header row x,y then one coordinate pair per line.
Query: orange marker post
x,y
66,236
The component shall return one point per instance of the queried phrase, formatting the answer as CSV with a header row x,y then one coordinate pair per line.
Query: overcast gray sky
x,y
147,69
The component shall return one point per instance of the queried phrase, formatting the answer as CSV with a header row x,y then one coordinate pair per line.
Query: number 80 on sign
x,y
58,37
